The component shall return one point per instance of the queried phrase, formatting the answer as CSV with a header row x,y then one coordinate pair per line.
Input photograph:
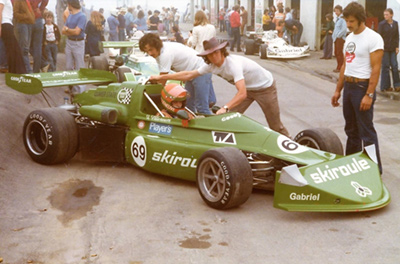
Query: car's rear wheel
x,y
120,73
320,138
249,46
224,178
98,63
50,136
263,51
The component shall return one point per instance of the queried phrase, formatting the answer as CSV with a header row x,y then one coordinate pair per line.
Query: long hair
x,y
356,10
97,19
152,40
140,14
200,18
224,52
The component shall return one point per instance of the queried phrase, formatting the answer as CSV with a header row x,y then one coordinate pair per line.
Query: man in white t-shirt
x,y
359,76
253,82
173,56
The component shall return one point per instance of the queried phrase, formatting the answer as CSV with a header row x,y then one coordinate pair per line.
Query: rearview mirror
x,y
182,114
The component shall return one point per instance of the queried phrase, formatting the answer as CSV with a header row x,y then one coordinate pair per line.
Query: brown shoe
x,y
397,89
3,70
336,70
391,89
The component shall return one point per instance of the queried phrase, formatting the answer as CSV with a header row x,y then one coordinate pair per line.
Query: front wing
x,y
347,184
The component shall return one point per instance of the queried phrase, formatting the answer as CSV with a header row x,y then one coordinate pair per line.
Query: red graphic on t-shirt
x,y
350,57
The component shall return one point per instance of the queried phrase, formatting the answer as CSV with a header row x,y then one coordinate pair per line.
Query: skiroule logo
x,y
174,159
330,174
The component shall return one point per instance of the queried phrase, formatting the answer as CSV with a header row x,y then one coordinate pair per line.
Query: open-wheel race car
x,y
226,155
269,45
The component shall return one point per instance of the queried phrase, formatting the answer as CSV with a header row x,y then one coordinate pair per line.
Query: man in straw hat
x,y
252,81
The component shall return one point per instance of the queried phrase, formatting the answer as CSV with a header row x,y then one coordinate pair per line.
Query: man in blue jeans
x,y
389,30
38,7
359,76
177,57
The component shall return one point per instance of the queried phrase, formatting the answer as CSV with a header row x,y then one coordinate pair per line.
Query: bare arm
x,y
376,62
180,76
1,15
238,98
339,87
71,31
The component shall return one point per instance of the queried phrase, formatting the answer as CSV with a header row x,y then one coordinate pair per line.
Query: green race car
x,y
226,155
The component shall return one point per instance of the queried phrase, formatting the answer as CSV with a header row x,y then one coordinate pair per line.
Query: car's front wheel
x,y
98,63
249,47
224,178
120,73
320,138
263,51
50,136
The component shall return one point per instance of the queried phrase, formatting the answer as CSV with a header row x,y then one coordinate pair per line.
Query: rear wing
x,y
34,83
120,44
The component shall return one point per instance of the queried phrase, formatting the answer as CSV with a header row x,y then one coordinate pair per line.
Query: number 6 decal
x,y
289,146
139,151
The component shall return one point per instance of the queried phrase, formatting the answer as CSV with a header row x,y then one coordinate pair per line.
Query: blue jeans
x,y
389,60
328,46
359,126
228,27
74,60
297,37
51,52
121,34
201,94
23,35
3,55
36,44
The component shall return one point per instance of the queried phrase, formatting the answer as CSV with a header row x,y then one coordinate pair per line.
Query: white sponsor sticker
x,y
139,151
360,190
289,146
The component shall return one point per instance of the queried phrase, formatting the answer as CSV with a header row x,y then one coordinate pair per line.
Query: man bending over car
x,y
252,81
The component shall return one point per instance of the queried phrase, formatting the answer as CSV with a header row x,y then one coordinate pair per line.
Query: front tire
x,y
99,63
120,73
249,46
50,136
320,138
224,178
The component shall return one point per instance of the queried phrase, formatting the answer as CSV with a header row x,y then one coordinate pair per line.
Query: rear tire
x,y
224,178
50,136
320,138
249,46
99,63
263,51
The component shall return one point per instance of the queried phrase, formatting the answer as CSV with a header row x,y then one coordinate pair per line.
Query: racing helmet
x,y
173,92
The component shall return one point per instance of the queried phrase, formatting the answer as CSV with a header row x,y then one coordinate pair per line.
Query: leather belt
x,y
79,39
350,79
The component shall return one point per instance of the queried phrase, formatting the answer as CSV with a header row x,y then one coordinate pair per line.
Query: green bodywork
x,y
314,180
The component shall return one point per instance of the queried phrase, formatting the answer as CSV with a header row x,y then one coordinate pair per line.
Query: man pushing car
x,y
252,82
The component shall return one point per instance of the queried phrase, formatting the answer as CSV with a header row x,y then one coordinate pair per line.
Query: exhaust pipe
x,y
100,113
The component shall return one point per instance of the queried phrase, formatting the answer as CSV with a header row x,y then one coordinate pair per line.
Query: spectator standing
x,y
339,36
154,20
94,29
113,26
358,79
177,17
272,11
205,10
227,21
51,38
129,18
12,49
202,30
38,7
280,16
389,30
140,22
244,15
221,20
235,27
24,19
267,21
177,57
288,14
167,19
74,29
328,44
253,82
121,26
295,28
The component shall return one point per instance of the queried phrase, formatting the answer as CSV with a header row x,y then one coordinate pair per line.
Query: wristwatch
x,y
226,108
370,95
66,29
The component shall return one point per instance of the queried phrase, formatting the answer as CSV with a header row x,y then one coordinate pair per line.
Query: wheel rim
x,y
309,142
36,137
211,180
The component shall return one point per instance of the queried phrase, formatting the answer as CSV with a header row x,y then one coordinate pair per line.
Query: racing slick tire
x,y
320,138
99,63
50,136
120,73
263,51
249,47
224,178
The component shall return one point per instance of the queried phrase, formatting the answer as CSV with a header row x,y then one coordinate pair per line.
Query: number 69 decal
x,y
289,146
138,151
